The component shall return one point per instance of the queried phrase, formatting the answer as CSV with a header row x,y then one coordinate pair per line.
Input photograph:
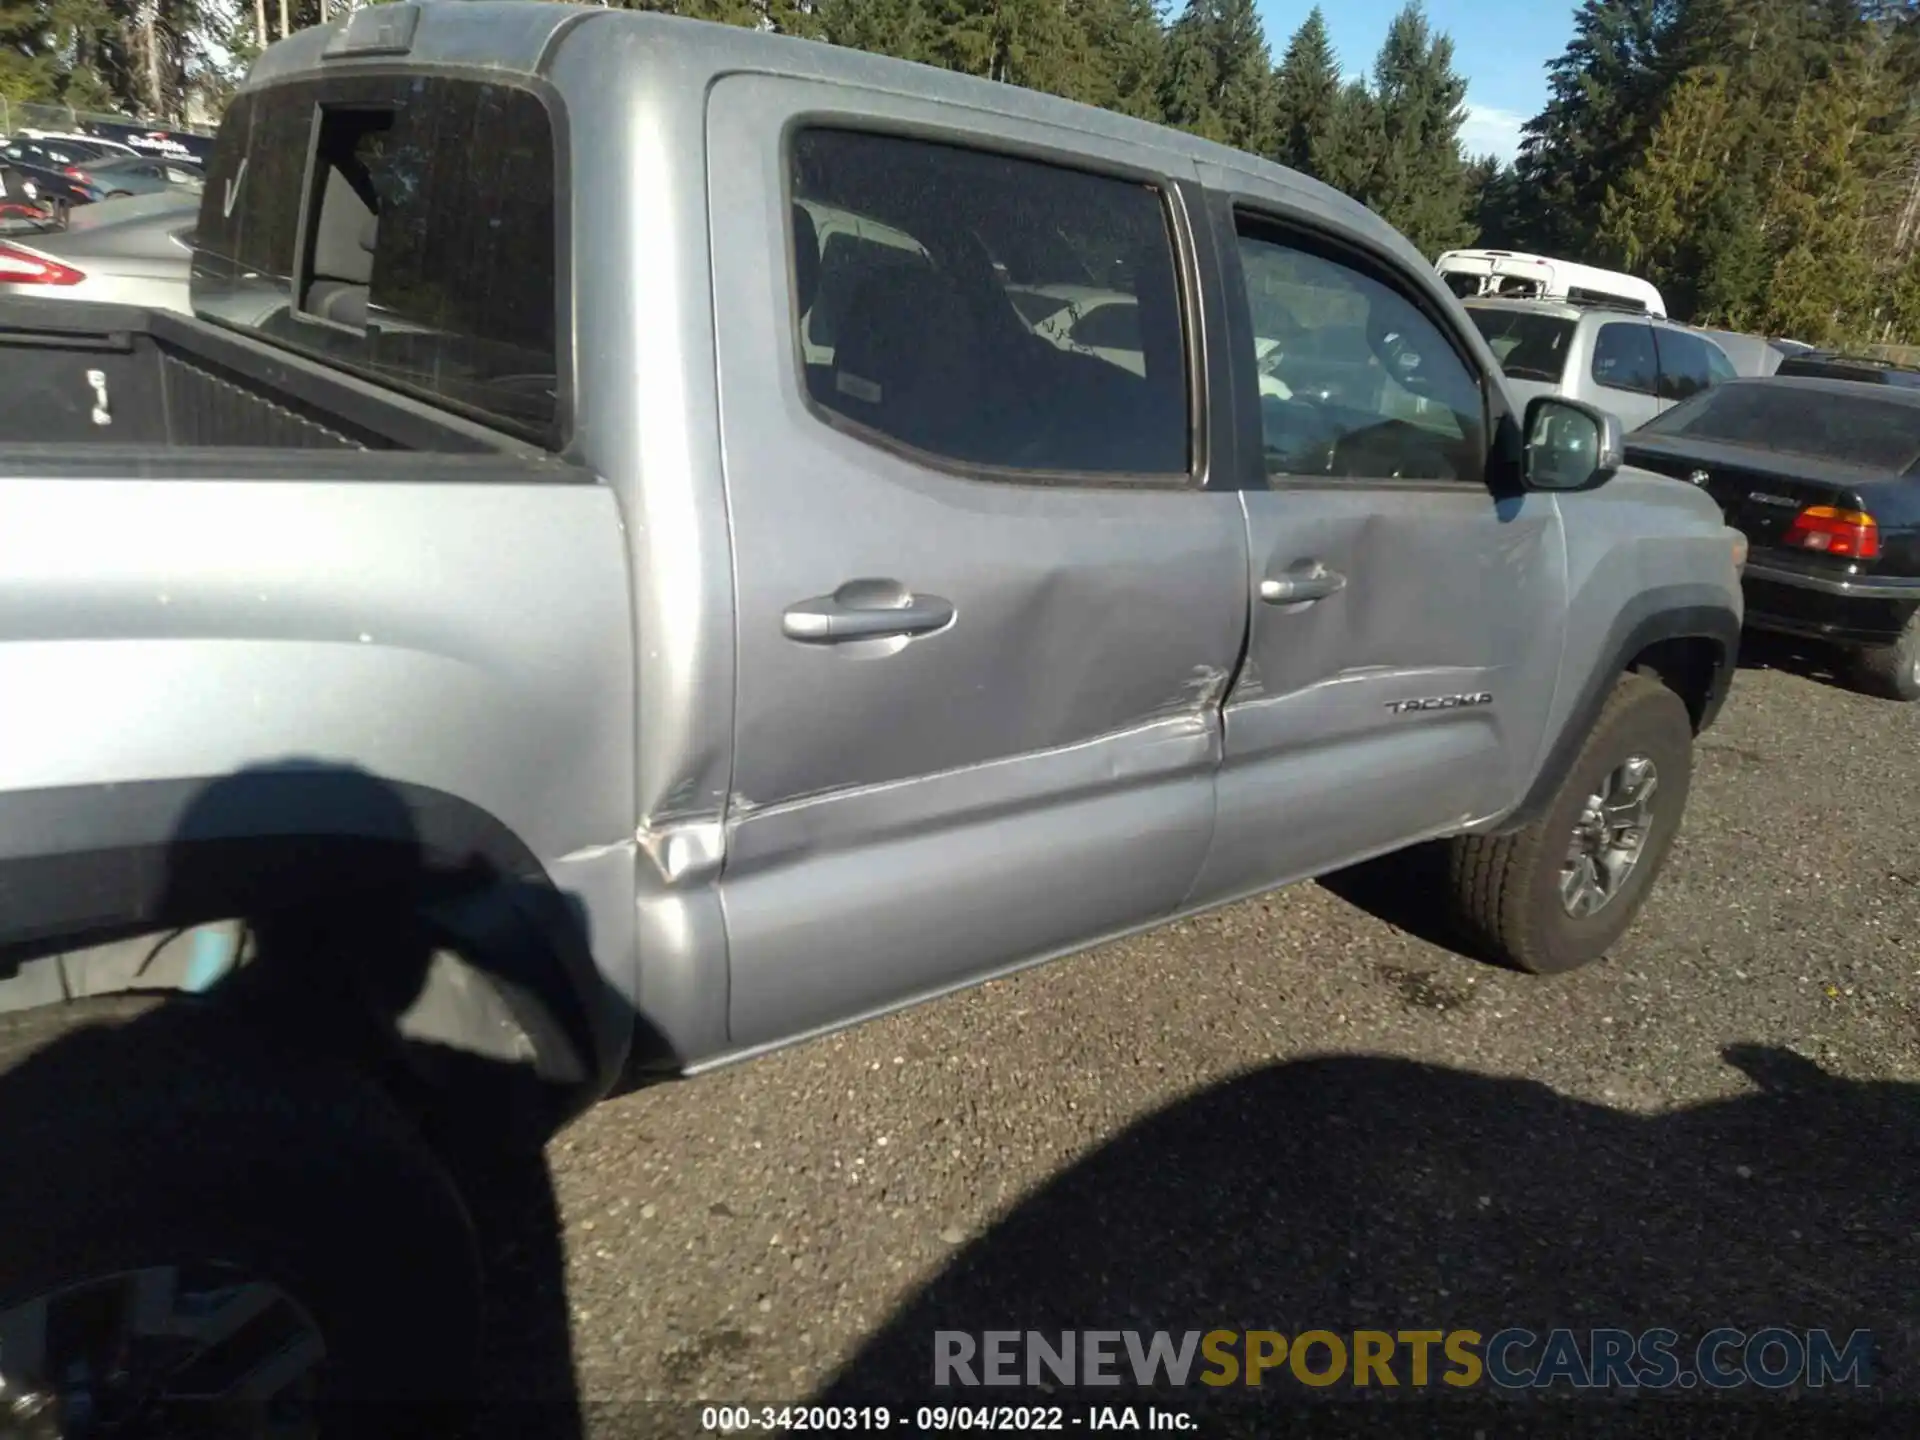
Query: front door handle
x,y
865,610
1293,589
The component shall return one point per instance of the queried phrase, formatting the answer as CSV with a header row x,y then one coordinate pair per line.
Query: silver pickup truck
x,y
609,581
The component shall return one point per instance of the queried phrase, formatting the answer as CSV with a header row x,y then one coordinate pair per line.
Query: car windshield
x,y
1528,346
1863,429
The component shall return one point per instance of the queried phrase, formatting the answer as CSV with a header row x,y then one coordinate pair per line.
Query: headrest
x,y
806,258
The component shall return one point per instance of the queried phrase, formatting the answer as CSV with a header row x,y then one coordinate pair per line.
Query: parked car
x,y
135,251
155,142
92,146
50,170
683,696
1629,363
1832,365
1753,356
1823,477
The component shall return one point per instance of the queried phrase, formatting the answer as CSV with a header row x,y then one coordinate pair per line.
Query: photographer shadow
x,y
1346,1194
273,1198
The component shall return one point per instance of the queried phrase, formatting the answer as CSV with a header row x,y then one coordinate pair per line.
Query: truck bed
x,y
78,374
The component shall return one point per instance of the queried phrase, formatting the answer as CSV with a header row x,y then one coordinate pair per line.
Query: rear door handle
x,y
1293,589
865,610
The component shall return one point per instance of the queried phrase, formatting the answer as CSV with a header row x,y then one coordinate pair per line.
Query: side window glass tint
x,y
1354,379
1719,367
1624,359
1683,364
936,286
1110,327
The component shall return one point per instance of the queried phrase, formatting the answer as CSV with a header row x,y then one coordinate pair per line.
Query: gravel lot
x,y
1293,1114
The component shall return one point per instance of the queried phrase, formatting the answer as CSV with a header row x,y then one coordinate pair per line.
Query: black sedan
x,y
1823,478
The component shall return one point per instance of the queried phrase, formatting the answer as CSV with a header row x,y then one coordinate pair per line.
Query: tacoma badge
x,y
1441,702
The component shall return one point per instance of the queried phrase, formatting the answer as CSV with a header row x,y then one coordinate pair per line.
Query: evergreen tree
x,y
1347,154
900,28
1604,93
1650,222
1421,184
1306,90
1496,203
1219,75
1126,55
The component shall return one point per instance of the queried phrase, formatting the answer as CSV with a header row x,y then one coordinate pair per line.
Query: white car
x,y
110,147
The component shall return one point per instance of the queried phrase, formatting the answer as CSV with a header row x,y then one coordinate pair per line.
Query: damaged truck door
x,y
987,603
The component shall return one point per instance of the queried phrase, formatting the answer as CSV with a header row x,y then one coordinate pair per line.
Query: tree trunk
x,y
260,22
285,28
155,100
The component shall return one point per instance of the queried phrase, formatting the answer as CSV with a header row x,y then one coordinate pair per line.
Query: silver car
x,y
1625,361
132,251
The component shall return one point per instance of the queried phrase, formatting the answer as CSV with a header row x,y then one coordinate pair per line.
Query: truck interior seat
x,y
343,247
908,362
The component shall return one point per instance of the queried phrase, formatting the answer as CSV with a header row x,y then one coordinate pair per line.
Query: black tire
x,y
1505,889
1891,672
176,1138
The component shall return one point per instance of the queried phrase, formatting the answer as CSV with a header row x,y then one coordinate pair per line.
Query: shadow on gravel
x,y
209,1216
1399,889
1809,659
1360,1194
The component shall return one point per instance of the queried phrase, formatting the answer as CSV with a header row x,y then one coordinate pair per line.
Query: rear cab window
x,y
940,296
421,252
1528,346
1685,366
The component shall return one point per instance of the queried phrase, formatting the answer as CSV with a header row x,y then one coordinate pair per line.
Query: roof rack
x,y
1591,301
1838,357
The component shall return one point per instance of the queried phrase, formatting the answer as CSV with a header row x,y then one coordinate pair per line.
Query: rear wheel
x,y
199,1237
1891,671
1559,894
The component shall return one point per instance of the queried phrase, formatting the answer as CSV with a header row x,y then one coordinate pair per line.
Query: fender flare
x,y
1668,612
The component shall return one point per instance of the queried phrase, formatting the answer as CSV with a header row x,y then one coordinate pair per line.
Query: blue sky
x,y
1501,47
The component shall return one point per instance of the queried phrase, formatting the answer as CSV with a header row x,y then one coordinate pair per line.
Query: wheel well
x,y
1688,666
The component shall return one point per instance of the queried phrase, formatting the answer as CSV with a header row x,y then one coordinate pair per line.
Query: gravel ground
x,y
1292,1114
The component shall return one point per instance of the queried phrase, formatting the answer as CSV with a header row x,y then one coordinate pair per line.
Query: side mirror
x,y
1571,446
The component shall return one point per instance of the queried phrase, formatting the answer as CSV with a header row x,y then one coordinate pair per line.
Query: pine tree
x,y
1604,94
1306,90
1347,154
1219,74
1421,184
900,28
1126,52
1650,221
1496,203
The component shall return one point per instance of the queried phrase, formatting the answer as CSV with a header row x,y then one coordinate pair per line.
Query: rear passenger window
x,y
929,278
1354,379
1624,359
420,250
1719,367
1684,367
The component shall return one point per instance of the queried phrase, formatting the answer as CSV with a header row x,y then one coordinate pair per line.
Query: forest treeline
x,y
1759,160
